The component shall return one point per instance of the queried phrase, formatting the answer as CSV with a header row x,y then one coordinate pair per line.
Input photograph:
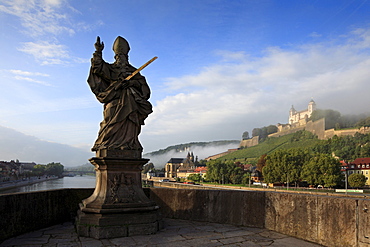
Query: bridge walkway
x,y
176,233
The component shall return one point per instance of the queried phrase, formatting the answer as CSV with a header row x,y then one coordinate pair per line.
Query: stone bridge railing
x,y
326,220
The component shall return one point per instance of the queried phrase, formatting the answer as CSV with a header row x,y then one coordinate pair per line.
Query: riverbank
x,y
18,183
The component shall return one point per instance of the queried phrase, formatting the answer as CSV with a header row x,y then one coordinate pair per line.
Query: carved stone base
x,y
118,207
101,226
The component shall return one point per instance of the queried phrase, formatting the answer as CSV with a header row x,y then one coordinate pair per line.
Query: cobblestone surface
x,y
176,233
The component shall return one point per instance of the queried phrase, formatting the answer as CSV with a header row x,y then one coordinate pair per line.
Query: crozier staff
x,y
126,104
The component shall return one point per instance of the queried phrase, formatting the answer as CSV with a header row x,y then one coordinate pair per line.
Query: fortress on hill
x,y
299,120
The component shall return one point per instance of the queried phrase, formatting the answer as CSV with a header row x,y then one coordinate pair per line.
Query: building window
x,y
367,166
359,166
363,166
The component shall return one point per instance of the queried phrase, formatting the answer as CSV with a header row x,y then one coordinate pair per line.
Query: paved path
x,y
176,233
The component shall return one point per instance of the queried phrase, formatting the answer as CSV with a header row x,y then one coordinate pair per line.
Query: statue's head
x,y
121,49
121,46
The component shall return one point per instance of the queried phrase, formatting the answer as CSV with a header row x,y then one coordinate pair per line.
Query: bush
x,y
356,180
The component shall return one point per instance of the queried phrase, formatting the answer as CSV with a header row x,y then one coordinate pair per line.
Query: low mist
x,y
201,152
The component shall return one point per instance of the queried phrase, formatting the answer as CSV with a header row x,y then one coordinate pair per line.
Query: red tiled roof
x,y
361,161
200,168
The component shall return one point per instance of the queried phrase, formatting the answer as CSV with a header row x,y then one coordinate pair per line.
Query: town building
x,y
182,168
13,170
360,166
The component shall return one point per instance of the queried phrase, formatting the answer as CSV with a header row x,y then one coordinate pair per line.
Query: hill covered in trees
x,y
345,148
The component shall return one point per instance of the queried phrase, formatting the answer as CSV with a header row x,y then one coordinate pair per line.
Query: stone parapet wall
x,y
25,212
326,220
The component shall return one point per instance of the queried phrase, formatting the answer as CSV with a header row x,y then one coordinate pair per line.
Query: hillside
x,y
294,140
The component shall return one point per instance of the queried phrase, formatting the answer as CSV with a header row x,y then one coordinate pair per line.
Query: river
x,y
59,183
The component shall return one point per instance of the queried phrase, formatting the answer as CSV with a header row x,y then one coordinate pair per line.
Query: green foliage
x,y
322,169
51,169
345,147
224,172
363,123
285,165
38,170
302,135
54,169
252,154
264,131
195,177
356,180
245,135
246,178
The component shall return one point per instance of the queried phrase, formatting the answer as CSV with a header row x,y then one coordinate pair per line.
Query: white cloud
x,y
315,35
27,73
44,21
22,78
45,52
27,76
40,17
255,90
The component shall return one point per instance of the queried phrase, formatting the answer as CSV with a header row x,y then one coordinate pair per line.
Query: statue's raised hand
x,y
99,46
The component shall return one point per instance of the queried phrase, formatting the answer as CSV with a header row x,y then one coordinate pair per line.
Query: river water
x,y
59,183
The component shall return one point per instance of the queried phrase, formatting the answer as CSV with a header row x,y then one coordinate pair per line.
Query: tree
x,y
38,170
271,129
54,169
322,169
261,162
195,177
224,172
363,123
356,180
245,135
285,165
246,178
256,132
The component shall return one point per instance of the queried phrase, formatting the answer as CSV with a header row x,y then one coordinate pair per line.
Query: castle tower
x,y
292,114
311,107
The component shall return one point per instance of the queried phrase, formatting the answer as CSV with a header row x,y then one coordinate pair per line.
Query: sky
x,y
223,67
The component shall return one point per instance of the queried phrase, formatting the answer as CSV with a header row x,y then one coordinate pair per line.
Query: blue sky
x,y
223,67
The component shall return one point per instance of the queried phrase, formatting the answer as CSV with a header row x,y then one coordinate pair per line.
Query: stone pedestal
x,y
118,207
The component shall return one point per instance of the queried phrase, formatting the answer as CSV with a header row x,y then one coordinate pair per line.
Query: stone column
x,y
118,207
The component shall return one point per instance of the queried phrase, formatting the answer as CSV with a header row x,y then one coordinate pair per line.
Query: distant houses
x,y
13,170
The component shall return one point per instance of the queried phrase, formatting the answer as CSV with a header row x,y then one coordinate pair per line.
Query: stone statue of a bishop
x,y
126,104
